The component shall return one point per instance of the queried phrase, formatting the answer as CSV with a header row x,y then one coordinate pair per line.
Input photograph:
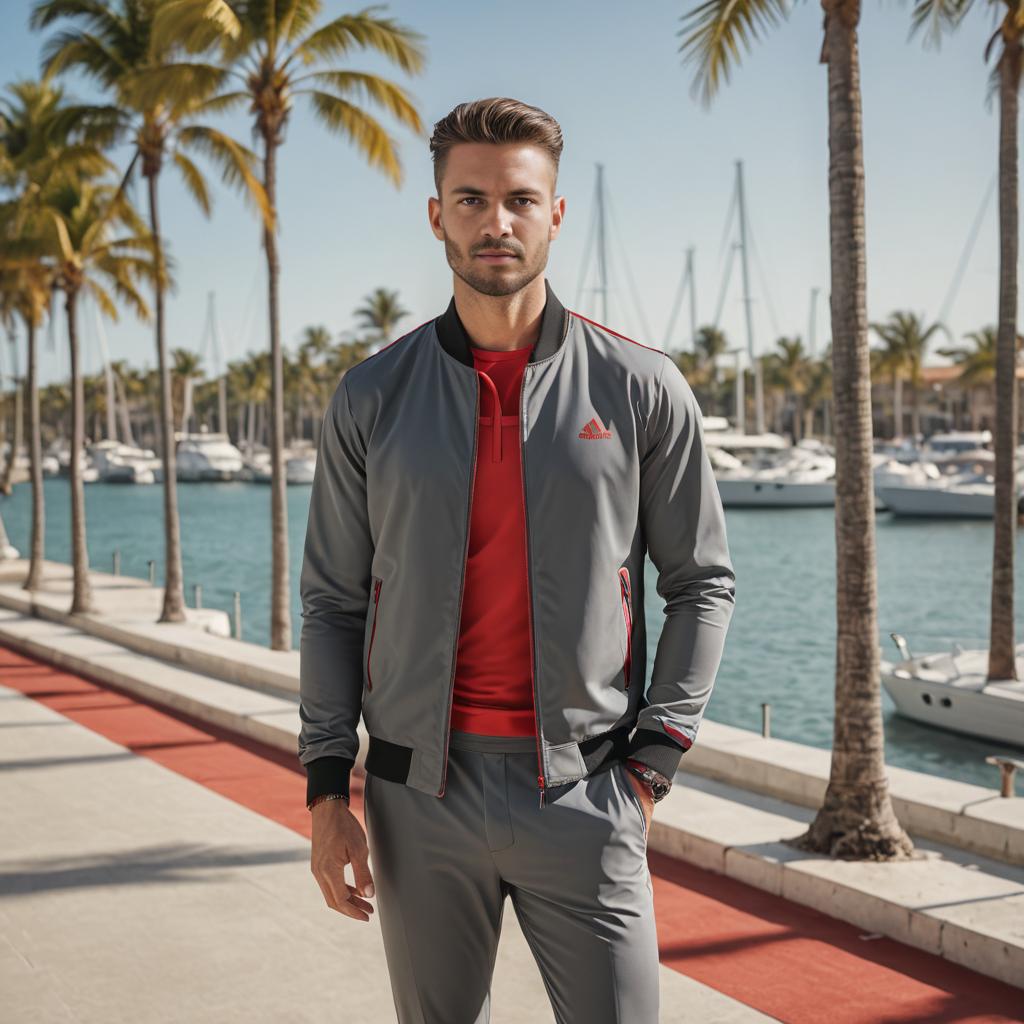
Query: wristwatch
x,y
659,784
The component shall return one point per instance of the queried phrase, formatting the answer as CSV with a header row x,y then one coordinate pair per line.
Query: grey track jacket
x,y
614,467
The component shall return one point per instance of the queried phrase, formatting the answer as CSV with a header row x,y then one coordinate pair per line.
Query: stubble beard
x,y
481,277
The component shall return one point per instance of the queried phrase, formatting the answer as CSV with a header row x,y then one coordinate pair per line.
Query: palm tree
x,y
36,150
790,369
978,364
906,339
274,53
116,46
891,361
92,260
857,819
380,313
819,390
937,16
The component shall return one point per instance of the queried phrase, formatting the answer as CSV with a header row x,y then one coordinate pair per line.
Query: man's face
x,y
497,198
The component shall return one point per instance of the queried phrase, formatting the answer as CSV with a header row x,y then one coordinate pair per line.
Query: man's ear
x,y
558,215
434,210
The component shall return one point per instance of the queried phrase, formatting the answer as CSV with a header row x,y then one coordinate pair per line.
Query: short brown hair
x,y
497,119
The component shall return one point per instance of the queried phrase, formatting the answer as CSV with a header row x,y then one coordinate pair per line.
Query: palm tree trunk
x,y
7,483
1001,660
173,609
126,419
81,600
856,820
897,405
35,446
280,612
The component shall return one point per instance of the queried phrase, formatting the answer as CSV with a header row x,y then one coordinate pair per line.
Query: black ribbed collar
x,y
553,324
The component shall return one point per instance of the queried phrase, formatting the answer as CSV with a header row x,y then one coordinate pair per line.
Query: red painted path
x,y
790,962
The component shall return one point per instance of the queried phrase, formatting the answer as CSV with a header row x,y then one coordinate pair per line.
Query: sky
x,y
611,75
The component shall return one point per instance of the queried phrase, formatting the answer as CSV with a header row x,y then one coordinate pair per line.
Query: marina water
x,y
933,587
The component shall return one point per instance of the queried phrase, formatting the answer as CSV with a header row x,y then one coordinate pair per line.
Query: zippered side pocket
x,y
627,613
634,799
377,582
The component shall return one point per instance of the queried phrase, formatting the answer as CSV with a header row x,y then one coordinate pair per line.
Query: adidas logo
x,y
593,430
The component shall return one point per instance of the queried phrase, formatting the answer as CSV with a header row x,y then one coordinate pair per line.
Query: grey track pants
x,y
576,870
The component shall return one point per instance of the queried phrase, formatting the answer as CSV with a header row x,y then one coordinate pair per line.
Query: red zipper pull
x,y
540,782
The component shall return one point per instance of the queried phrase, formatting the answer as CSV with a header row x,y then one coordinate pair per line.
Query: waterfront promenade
x,y
156,862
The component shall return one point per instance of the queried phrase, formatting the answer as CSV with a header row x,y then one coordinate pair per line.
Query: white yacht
x,y
800,476
207,456
299,466
118,463
948,689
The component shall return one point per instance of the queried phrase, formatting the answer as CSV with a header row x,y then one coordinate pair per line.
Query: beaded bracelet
x,y
323,797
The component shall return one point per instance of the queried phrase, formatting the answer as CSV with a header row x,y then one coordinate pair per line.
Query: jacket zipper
x,y
373,632
462,582
529,587
627,611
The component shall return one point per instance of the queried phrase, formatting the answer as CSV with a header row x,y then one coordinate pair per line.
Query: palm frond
x,y
368,31
717,28
98,15
933,17
222,104
178,87
236,163
297,19
194,181
379,90
197,25
367,133
102,299
81,50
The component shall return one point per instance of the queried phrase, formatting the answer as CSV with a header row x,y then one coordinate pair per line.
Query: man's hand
x,y
338,839
643,790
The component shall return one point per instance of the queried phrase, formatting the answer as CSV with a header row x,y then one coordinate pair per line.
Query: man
x,y
486,491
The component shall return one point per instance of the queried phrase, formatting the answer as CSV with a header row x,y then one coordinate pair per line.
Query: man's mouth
x,y
495,257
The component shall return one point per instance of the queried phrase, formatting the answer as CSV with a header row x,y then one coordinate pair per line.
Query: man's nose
x,y
498,222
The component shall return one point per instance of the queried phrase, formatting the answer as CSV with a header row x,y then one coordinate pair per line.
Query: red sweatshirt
x,y
493,675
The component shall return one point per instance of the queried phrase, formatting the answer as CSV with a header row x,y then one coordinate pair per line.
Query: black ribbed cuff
x,y
327,775
656,750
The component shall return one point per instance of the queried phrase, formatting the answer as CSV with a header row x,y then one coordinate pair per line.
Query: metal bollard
x,y
1007,768
766,719
117,562
238,615
197,595
152,572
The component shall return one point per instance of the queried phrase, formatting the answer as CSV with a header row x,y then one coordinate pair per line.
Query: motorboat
x,y
948,689
299,469
299,466
207,456
801,476
969,493
119,463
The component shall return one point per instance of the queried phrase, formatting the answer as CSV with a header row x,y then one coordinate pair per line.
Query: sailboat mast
x,y
602,261
755,362
691,274
218,364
